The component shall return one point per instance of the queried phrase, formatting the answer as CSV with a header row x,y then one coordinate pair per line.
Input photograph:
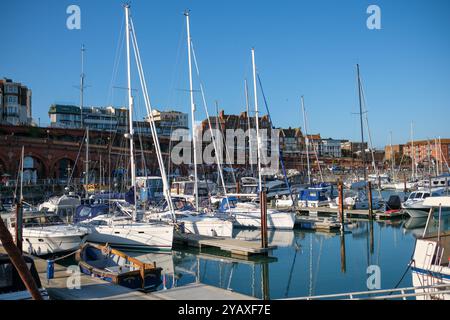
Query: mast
x,y
191,91
413,154
363,151
258,148
82,75
392,155
86,175
130,109
249,126
306,140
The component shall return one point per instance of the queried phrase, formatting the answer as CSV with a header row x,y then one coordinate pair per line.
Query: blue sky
x,y
302,47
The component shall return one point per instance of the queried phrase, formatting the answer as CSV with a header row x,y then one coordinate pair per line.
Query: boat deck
x,y
235,246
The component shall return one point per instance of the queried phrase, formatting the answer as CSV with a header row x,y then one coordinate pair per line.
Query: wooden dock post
x,y
341,204
369,187
343,256
263,205
19,226
238,187
404,184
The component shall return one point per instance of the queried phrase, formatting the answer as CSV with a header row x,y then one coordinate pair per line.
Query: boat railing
x,y
437,291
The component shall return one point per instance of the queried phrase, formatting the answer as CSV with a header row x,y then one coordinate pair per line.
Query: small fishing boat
x,y
108,264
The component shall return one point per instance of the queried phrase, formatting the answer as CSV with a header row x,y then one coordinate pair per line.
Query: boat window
x,y
30,222
426,195
418,195
6,276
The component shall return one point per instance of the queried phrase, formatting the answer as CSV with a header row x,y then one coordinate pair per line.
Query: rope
x,y
63,257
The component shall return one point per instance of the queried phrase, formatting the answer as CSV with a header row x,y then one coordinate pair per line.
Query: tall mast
x,y
191,91
363,151
82,75
247,106
413,154
392,155
21,174
130,109
258,139
86,175
306,140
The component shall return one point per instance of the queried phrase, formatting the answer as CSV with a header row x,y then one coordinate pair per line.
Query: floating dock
x,y
235,246
63,287
349,212
317,223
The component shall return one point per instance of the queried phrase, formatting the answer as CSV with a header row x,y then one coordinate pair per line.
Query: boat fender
x,y
50,269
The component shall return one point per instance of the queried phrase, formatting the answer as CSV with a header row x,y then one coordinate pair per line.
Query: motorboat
x,y
248,215
12,286
191,220
316,196
414,205
120,231
64,206
430,264
117,267
45,234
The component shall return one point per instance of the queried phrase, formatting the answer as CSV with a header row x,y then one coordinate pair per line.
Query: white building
x,y
331,148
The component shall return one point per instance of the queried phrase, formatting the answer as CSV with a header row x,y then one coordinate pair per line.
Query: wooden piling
x,y
238,187
404,184
369,194
19,226
263,205
341,204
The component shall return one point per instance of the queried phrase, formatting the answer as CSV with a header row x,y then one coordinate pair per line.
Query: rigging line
x,y
205,105
117,55
315,151
148,106
176,64
76,160
370,137
280,154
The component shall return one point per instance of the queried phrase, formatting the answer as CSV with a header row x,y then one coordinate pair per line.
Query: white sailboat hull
x,y
134,236
275,219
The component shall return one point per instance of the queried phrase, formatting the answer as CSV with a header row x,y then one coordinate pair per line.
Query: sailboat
x,y
192,220
248,214
120,229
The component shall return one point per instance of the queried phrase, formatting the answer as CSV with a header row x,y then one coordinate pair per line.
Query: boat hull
x,y
137,238
275,220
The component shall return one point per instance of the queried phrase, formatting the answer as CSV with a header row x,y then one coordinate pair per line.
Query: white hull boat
x,y
129,235
45,234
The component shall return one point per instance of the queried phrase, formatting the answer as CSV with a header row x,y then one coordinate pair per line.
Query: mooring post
x,y
19,224
341,204
404,184
238,187
369,186
263,204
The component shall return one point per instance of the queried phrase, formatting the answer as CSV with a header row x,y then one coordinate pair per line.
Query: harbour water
x,y
305,263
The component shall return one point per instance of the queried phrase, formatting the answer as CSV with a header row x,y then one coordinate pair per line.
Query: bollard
x,y
50,269
341,204
263,205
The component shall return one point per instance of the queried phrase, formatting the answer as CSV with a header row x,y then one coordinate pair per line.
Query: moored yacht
x,y
415,205
45,234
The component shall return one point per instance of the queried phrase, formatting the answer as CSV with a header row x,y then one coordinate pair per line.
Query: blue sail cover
x,y
85,212
129,196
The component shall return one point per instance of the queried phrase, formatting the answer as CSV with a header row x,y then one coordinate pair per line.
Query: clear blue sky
x,y
302,47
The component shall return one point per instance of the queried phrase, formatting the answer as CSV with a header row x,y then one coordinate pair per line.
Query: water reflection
x,y
305,262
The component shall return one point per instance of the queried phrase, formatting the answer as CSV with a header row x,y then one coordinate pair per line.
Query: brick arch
x,y
54,173
44,170
4,168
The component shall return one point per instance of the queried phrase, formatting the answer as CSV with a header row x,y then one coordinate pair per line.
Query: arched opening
x,y
33,170
64,169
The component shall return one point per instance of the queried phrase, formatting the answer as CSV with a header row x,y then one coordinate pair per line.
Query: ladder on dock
x,y
434,292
